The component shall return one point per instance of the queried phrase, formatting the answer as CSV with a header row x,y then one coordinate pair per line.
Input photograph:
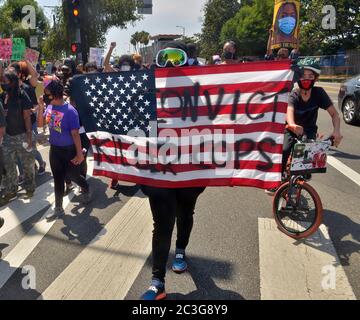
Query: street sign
x,y
34,42
145,7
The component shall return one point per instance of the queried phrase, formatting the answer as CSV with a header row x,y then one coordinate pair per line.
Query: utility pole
x,y
183,29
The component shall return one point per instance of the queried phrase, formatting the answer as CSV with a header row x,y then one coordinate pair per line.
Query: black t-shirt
x,y
306,113
30,91
15,123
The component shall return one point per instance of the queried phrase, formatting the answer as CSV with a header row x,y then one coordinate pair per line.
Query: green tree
x,y
139,40
250,27
317,40
97,17
217,12
11,17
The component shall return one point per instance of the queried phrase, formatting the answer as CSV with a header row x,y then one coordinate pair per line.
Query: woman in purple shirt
x,y
66,151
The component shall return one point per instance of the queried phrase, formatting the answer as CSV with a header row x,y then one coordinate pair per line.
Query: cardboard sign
x,y
310,157
96,55
5,49
18,49
32,56
286,24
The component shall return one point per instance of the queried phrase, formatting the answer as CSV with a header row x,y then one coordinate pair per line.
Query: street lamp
x,y
183,29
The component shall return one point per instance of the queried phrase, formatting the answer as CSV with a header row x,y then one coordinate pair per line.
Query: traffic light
x,y
75,48
75,12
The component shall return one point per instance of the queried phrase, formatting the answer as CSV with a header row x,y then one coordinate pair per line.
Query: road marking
x,y
344,169
294,270
21,210
109,273
13,260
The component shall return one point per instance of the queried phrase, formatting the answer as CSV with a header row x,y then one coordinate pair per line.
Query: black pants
x,y
168,205
61,166
289,142
85,143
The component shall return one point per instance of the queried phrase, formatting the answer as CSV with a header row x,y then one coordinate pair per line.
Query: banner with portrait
x,y
286,24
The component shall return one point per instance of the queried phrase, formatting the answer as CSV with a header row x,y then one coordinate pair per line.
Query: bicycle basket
x,y
310,157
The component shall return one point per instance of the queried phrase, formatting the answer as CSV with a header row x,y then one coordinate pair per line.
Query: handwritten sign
x,y
5,49
96,55
32,56
18,49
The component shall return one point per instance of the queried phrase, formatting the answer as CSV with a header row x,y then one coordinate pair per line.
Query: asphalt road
x,y
229,255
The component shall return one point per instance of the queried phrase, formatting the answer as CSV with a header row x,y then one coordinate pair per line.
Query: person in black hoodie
x,y
169,206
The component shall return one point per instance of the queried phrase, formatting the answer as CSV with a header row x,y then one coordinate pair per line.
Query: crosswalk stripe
x,y
13,260
344,169
109,273
308,270
21,210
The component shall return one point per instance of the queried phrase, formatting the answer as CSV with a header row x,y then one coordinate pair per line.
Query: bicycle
x,y
297,206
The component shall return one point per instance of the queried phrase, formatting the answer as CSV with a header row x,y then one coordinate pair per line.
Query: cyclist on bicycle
x,y
303,108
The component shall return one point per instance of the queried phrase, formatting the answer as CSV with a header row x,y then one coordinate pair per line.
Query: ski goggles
x,y
176,57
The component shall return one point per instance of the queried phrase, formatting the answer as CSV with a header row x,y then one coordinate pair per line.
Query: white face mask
x,y
125,68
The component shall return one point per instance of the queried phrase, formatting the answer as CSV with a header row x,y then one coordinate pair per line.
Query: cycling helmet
x,y
310,64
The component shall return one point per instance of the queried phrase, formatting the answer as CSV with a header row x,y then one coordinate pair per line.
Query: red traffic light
x,y
76,12
74,47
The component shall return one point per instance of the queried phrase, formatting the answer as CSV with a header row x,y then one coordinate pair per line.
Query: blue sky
x,y
167,14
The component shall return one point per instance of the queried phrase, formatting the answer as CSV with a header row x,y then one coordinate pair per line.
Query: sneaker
x,y
179,265
57,213
69,187
7,198
42,169
2,221
29,194
21,180
114,185
155,292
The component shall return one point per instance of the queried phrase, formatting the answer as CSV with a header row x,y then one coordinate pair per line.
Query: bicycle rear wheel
x,y
301,217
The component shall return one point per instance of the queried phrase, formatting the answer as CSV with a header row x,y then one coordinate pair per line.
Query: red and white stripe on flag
x,y
216,126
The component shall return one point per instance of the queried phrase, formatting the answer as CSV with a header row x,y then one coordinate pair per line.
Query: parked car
x,y
349,100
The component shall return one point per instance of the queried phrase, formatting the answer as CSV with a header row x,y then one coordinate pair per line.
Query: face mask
x,y
47,99
306,84
191,61
287,25
125,68
228,55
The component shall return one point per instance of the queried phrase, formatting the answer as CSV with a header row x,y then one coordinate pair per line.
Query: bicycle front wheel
x,y
300,216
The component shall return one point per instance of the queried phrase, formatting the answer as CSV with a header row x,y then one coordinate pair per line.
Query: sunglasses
x,y
176,57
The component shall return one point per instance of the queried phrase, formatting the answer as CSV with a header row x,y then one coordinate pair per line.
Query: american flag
x,y
188,127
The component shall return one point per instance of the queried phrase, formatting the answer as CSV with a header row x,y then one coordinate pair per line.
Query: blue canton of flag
x,y
116,103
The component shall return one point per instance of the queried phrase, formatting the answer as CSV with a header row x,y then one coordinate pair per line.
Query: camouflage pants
x,y
13,148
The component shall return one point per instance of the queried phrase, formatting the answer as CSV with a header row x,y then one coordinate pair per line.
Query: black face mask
x,y
47,99
228,55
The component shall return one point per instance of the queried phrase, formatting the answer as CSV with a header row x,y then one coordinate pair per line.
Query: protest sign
x,y
18,49
286,24
32,56
96,55
5,49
